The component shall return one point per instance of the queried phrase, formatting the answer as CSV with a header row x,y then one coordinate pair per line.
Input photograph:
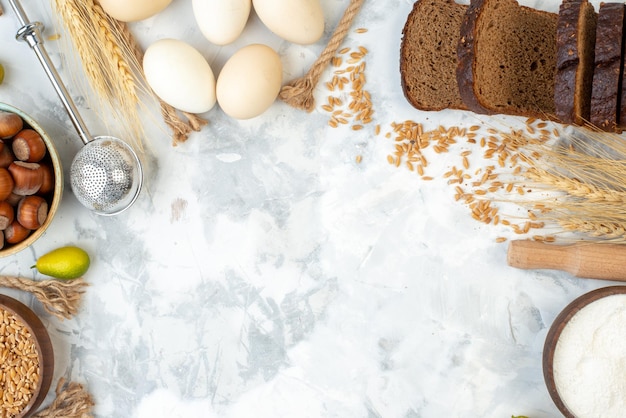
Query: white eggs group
x,y
180,75
251,78
249,82
133,10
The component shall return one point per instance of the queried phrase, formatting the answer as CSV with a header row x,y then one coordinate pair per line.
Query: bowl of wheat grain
x,y
26,359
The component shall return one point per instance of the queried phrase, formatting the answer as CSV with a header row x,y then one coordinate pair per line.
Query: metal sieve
x,y
102,174
106,174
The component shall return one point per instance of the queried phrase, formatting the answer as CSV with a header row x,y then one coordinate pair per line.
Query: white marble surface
x,y
263,272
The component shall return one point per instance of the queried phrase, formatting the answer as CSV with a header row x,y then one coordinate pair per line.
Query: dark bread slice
x,y
608,66
428,55
507,59
575,40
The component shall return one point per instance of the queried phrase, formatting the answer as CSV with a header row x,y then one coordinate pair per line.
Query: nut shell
x,y
6,155
6,184
15,233
28,177
10,124
32,211
48,179
28,146
7,215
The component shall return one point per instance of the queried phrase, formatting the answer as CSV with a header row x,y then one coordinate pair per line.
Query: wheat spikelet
x,y
576,188
124,85
106,65
609,231
72,13
119,64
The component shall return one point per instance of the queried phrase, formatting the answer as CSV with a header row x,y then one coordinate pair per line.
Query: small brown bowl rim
x,y
554,333
58,182
44,350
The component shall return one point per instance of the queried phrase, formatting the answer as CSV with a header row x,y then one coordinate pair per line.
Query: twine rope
x,y
72,401
59,297
299,92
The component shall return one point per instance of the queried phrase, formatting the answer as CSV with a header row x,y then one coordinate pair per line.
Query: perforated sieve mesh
x,y
106,175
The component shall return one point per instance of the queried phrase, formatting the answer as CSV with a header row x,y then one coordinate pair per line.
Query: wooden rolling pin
x,y
589,260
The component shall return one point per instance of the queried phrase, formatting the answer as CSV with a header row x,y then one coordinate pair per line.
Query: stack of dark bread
x,y
500,57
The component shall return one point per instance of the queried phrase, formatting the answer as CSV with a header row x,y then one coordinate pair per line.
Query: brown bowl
x,y
552,338
54,198
42,346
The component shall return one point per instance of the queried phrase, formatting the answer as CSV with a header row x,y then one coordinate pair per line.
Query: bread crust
x,y
567,60
607,72
465,55
575,37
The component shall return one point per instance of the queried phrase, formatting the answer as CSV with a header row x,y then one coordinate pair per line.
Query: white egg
x,y
297,21
133,10
221,21
249,81
180,75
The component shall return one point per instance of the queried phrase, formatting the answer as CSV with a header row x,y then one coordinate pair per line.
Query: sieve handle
x,y
589,260
30,32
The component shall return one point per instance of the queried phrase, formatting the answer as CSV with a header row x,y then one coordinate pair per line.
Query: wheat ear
x,y
106,66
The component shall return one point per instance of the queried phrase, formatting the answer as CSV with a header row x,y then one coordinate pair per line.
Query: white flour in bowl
x,y
590,360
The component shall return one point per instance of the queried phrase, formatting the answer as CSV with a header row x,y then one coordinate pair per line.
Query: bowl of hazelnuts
x,y
31,180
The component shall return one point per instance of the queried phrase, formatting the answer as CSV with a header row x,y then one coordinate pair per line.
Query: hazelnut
x,y
7,215
48,179
15,233
28,146
6,184
32,211
28,177
6,155
10,124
